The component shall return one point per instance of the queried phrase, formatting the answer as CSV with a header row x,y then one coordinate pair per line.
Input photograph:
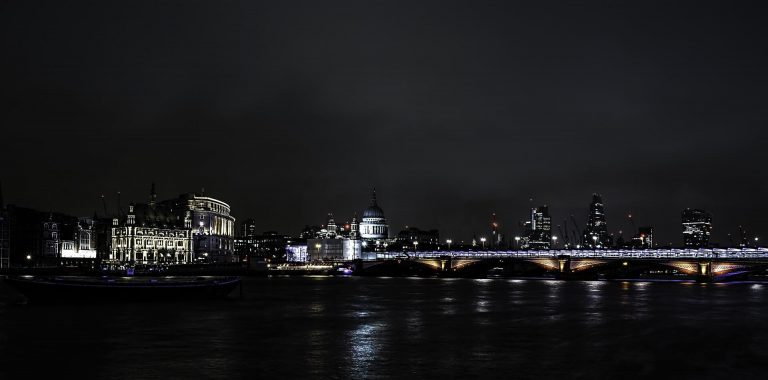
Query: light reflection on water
x,y
325,327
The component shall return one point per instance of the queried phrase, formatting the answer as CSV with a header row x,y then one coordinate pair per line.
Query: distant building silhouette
x,y
596,233
643,239
538,234
425,240
497,238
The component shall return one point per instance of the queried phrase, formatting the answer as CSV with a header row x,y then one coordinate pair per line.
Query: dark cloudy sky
x,y
453,110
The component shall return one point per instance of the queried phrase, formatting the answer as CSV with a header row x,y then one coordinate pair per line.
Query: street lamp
x,y
554,241
415,245
517,242
482,240
594,238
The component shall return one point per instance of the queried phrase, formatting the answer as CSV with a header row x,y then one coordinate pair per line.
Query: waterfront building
x,y
153,234
413,238
36,238
596,233
180,230
334,249
374,225
214,228
697,228
296,252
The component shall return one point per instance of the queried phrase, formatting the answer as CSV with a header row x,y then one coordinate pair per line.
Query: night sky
x,y
288,110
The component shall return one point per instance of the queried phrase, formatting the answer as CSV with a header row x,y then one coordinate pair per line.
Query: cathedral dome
x,y
374,225
373,211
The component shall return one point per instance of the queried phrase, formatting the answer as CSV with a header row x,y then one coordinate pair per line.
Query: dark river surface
x,y
361,327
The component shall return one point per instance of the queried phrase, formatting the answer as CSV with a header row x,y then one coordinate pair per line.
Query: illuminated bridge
x,y
705,265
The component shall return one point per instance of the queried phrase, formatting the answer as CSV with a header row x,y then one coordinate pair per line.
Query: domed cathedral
x,y
374,225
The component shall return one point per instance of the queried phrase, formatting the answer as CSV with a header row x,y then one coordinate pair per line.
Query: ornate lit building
x,y
374,225
152,233
214,228
178,230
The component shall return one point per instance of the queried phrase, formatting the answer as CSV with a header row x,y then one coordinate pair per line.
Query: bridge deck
x,y
729,254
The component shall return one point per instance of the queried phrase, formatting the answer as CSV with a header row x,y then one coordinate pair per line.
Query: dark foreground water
x,y
324,327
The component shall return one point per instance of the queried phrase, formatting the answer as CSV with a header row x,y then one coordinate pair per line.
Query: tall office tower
x,y
540,232
697,227
596,233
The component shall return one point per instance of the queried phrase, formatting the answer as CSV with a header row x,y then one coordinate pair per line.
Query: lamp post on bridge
x,y
517,242
482,240
449,241
554,242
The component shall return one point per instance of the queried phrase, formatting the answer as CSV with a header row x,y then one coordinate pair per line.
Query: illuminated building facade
x,y
153,234
181,230
296,252
83,243
697,228
596,233
334,249
213,228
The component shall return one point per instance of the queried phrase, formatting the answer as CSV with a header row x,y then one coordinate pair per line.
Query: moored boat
x,y
117,289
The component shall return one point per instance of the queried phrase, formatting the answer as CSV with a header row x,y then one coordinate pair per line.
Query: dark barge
x,y
118,289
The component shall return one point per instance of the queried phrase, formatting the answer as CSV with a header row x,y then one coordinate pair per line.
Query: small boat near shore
x,y
118,289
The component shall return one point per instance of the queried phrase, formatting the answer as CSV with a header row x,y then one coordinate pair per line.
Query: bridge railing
x,y
703,253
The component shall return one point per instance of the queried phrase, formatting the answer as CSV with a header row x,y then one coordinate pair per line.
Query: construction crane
x,y
566,237
577,230
563,236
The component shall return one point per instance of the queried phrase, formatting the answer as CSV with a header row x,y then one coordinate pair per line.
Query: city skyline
x,y
510,227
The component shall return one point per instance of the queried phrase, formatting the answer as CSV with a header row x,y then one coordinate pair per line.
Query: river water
x,y
361,327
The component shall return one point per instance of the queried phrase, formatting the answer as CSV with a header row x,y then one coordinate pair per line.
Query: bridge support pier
x,y
357,266
446,263
564,264
705,271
